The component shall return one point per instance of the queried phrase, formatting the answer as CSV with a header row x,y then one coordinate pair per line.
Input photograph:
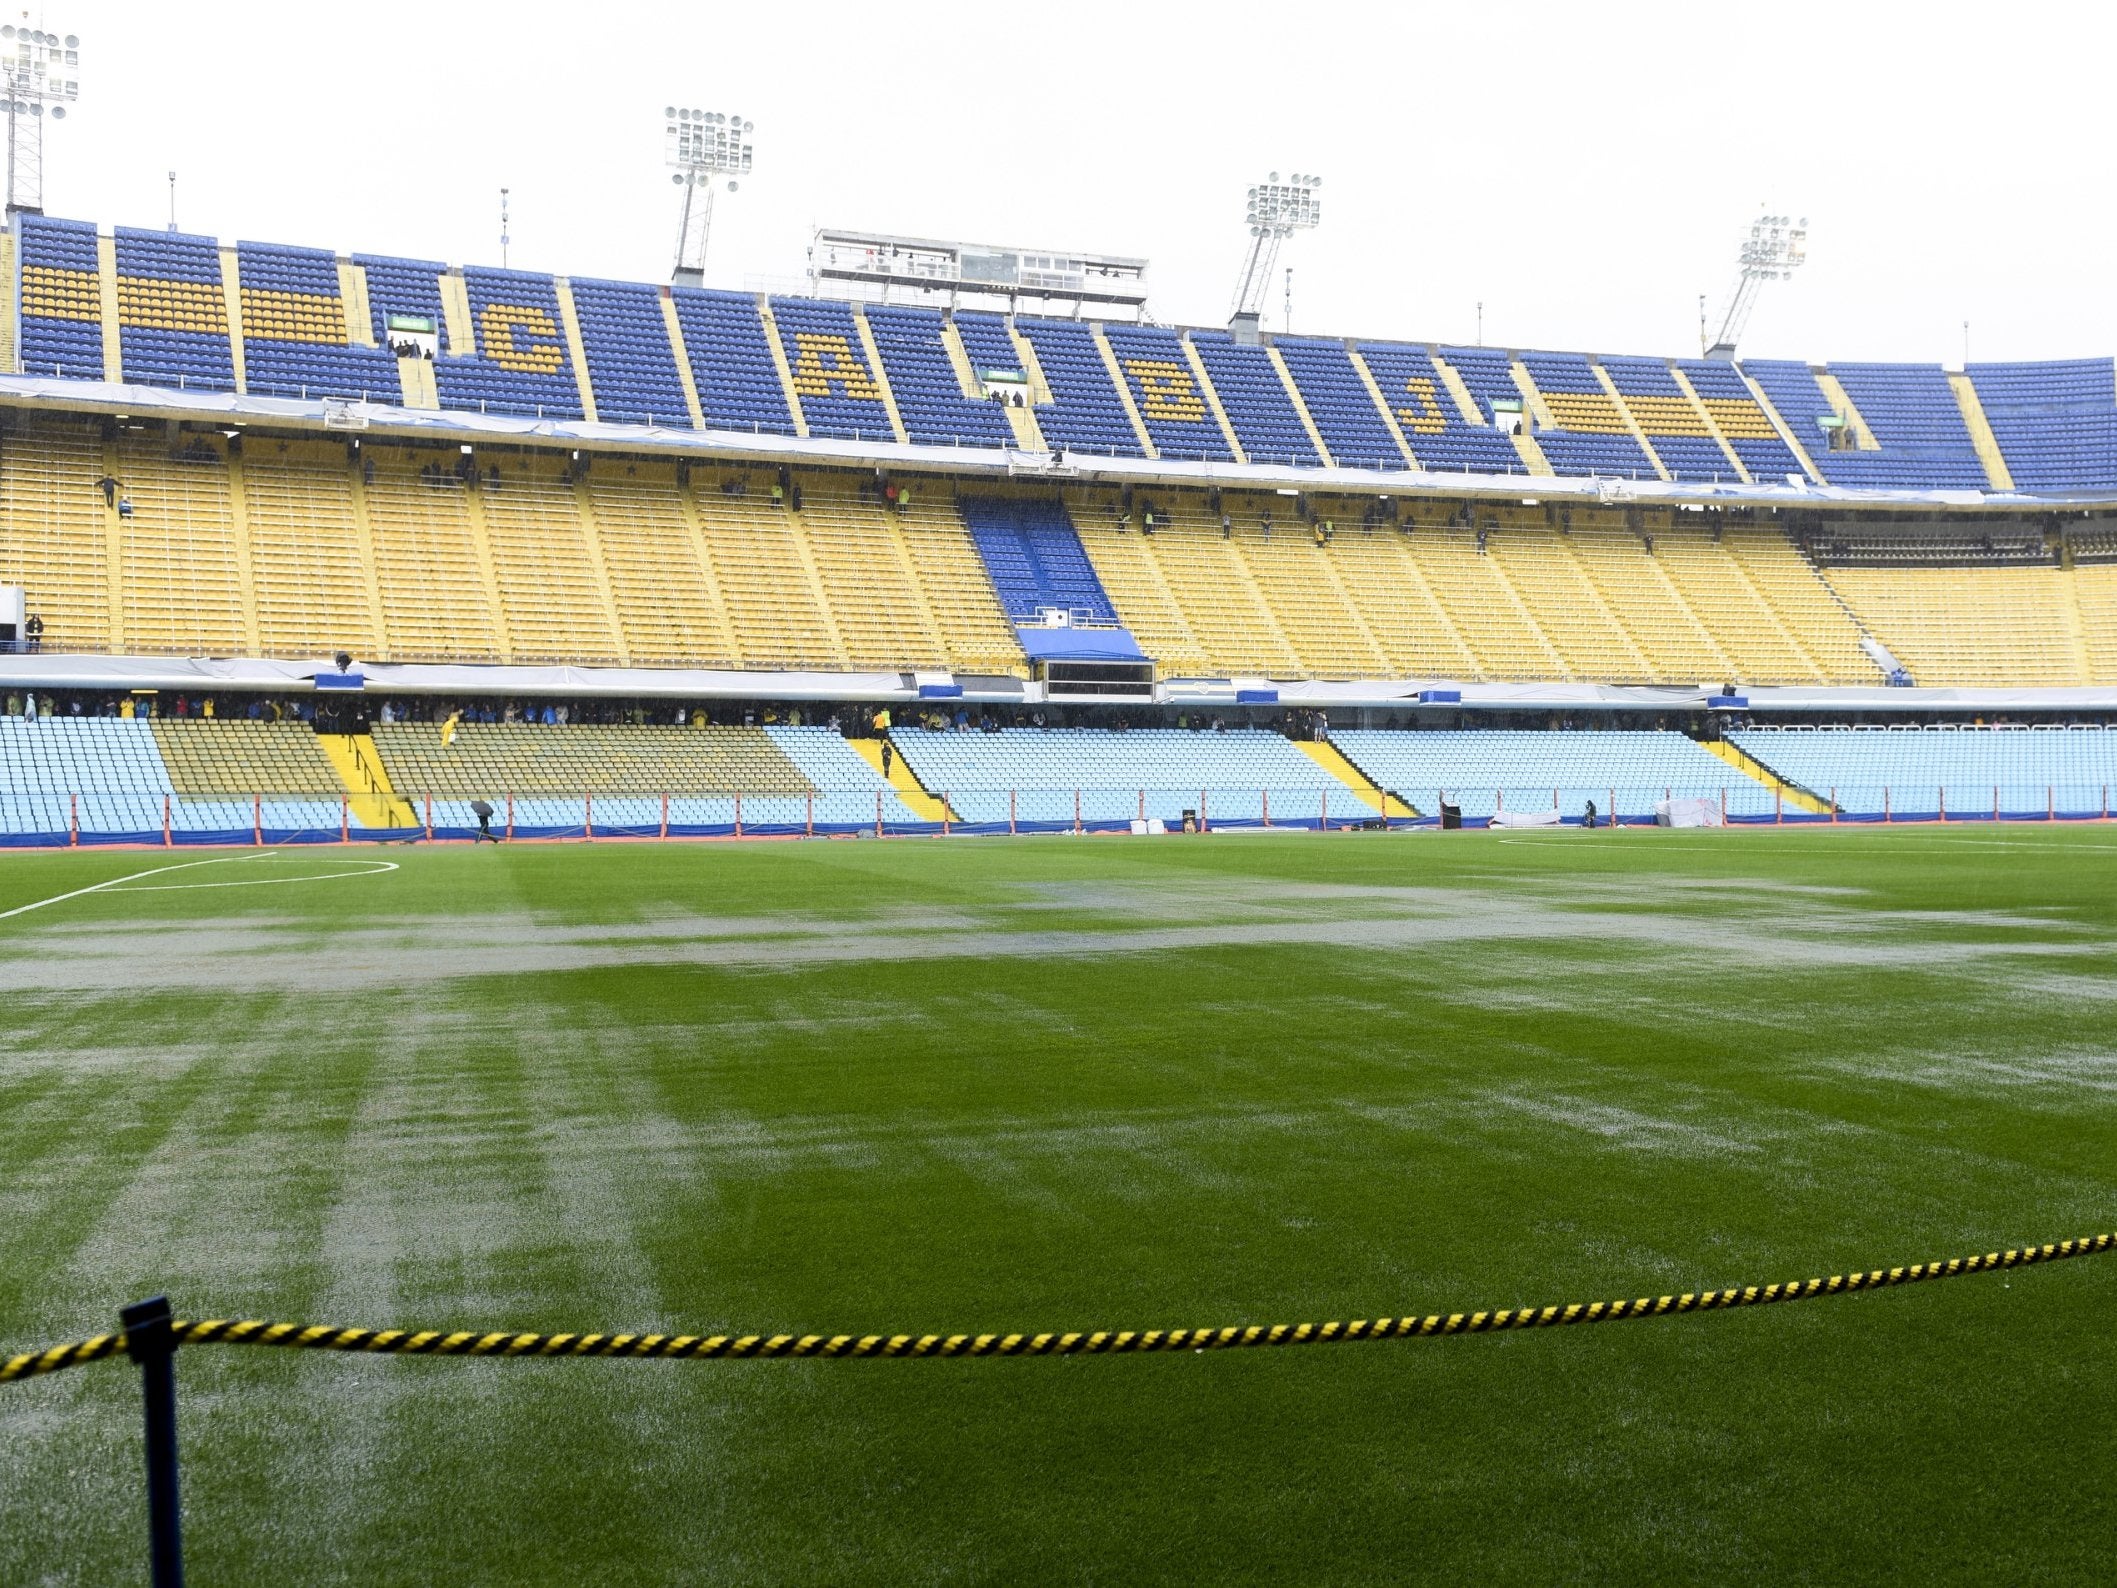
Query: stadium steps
x,y
1123,388
12,296
232,298
107,283
1981,436
1749,766
1631,420
353,299
369,797
1212,396
1712,425
239,539
778,350
570,325
1293,393
873,355
456,316
415,377
903,782
1794,443
1374,392
1841,403
1369,793
684,374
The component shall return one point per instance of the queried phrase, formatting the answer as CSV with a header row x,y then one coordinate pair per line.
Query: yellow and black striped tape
x,y
1100,1342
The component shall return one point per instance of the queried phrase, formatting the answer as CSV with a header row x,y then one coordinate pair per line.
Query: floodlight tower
x,y
702,145
1276,211
1776,247
43,76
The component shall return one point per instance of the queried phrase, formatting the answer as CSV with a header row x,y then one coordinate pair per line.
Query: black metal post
x,y
150,1341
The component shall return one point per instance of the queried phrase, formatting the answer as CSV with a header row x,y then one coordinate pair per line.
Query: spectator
x,y
14,705
33,631
29,706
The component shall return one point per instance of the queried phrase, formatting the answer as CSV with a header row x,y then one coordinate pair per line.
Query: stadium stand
x,y
56,544
61,299
295,337
1121,777
235,756
1085,413
172,311
1591,435
1172,403
1682,438
1904,418
930,397
1417,395
1991,626
1034,556
497,758
306,549
2056,422
1484,771
631,366
1340,403
1971,771
731,362
522,364
1733,410
839,394
1258,406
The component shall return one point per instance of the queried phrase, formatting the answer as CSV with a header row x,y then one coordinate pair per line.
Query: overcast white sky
x,y
1585,169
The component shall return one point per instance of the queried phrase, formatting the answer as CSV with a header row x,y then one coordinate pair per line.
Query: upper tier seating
x,y
840,396
1674,428
1911,414
731,362
1526,770
1910,772
1034,555
172,313
1085,414
1255,399
522,364
1439,436
1340,404
62,300
1234,774
2056,423
1592,436
929,394
294,329
1737,415
631,367
1171,404
410,287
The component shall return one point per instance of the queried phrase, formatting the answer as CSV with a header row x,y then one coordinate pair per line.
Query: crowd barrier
x,y
152,1335
172,820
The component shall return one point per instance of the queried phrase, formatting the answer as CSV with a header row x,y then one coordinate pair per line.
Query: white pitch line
x,y
375,868
61,898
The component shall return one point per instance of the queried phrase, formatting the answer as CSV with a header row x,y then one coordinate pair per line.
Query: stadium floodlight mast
x,y
43,77
702,146
1776,247
1276,211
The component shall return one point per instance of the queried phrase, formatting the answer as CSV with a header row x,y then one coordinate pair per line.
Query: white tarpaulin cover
x,y
1547,818
1688,813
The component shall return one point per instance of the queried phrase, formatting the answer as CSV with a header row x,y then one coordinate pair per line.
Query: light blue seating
x,y
2056,422
846,785
921,377
1034,775
173,318
1256,402
631,366
1167,394
1484,770
294,339
2024,772
731,362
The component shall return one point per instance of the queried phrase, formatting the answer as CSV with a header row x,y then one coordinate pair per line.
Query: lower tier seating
x,y
1488,770
1971,771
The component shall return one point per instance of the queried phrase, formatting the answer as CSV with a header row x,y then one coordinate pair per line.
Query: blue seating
x,y
1085,414
2023,772
1035,558
731,362
62,300
172,315
2056,422
1591,437
403,286
1485,770
1256,402
922,378
522,364
631,366
1339,404
1746,426
294,331
1923,443
1441,439
1673,426
840,396
1176,413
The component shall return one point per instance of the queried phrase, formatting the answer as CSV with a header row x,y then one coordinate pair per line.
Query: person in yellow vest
x,y
448,729
882,733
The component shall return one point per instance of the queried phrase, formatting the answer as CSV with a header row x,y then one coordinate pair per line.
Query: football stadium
x,y
924,924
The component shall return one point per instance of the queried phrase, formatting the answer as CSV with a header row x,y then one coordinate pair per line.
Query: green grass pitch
x,y
1069,1083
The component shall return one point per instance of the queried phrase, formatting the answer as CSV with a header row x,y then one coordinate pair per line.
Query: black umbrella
x,y
480,808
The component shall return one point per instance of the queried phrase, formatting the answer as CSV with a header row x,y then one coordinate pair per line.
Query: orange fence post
x,y
738,813
1941,795
1779,804
168,839
257,819
1888,815
1267,793
2050,803
1833,804
808,817
429,818
510,815
73,821
588,813
345,823
1010,813
878,813
665,816
1076,810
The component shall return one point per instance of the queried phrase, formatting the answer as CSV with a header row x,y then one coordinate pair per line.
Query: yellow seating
x,y
491,759
52,537
670,612
234,755
311,579
177,587
436,605
1977,626
550,597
